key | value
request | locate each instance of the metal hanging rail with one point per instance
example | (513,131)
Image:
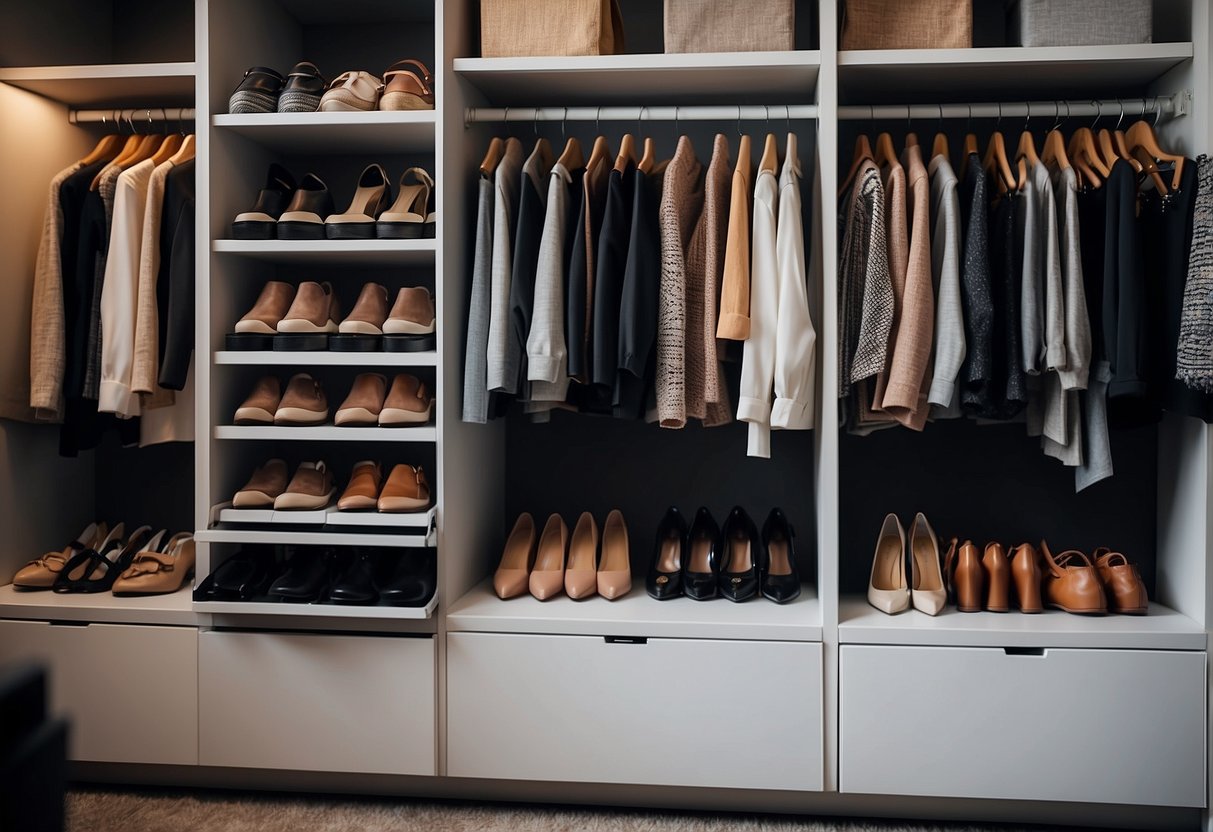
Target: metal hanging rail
(1171,106)
(132,116)
(751,112)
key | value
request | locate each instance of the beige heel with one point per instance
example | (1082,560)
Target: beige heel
(887,588)
(615,565)
(517,558)
(581,575)
(547,576)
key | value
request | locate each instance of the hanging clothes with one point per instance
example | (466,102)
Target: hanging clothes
(640,301)
(146,362)
(475,358)
(872,413)
(175,282)
(609,271)
(975,374)
(706,398)
(948,345)
(1008,391)
(502,362)
(579,291)
(532,205)
(1194,362)
(734,323)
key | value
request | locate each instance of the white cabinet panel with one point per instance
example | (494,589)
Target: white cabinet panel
(130,691)
(1098,726)
(317,702)
(728,714)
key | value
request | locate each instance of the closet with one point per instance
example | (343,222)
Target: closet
(821,706)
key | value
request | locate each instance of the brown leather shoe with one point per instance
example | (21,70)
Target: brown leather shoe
(365,401)
(304,402)
(271,307)
(159,570)
(412,313)
(998,578)
(408,402)
(369,312)
(310,488)
(42,572)
(362,494)
(406,489)
(263,487)
(1126,592)
(966,576)
(517,558)
(410,86)
(1025,570)
(1072,584)
(314,310)
(261,404)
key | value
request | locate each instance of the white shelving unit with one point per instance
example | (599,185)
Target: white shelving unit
(321,611)
(346,133)
(313,538)
(350,252)
(99,608)
(108,85)
(327,433)
(286,358)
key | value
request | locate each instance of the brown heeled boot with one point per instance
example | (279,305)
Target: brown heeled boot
(1025,569)
(998,578)
(966,576)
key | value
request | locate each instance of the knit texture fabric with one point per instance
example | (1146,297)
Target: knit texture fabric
(706,396)
(1194,362)
(865,293)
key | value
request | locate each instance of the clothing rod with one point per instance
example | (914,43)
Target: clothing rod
(1164,106)
(748,112)
(135,115)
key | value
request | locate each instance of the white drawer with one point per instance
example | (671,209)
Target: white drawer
(130,691)
(1098,726)
(678,712)
(306,702)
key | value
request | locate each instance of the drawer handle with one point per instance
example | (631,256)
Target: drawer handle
(625,640)
(69,623)
(1024,651)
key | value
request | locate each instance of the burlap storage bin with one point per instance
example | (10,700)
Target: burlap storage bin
(1079,23)
(907,24)
(729,26)
(523,28)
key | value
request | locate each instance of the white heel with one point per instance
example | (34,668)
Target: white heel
(926,575)
(887,588)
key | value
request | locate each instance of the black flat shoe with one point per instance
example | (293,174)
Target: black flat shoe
(242,577)
(355,585)
(702,563)
(303,218)
(307,573)
(665,572)
(780,578)
(412,582)
(302,89)
(261,221)
(738,579)
(257,92)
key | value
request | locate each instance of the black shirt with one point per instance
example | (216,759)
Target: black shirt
(637,356)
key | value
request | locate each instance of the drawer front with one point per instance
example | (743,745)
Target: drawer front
(1099,726)
(130,691)
(728,714)
(317,702)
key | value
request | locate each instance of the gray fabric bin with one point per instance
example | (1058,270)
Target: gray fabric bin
(1080,22)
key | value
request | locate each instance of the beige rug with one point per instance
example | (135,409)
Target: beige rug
(105,810)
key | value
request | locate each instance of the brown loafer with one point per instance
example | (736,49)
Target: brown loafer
(263,487)
(412,313)
(1072,584)
(1125,589)
(364,404)
(271,307)
(311,488)
(304,402)
(41,573)
(362,494)
(369,312)
(262,403)
(406,489)
(407,403)
(157,571)
(314,311)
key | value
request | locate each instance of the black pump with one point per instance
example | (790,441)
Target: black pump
(741,555)
(701,565)
(664,580)
(780,577)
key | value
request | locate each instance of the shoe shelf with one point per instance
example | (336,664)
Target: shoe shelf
(639,616)
(108,85)
(224,533)
(340,133)
(756,77)
(285,608)
(419,521)
(1045,72)
(325,252)
(1162,629)
(325,358)
(328,433)
(98,608)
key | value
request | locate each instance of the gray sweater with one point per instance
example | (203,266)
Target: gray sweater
(948,348)
(502,363)
(1042,309)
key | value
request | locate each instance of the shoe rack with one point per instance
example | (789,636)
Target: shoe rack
(845,710)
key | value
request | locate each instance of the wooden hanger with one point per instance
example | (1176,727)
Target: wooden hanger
(168,147)
(599,154)
(492,156)
(128,151)
(1054,153)
(571,158)
(1149,167)
(863,152)
(940,147)
(996,162)
(107,148)
(886,154)
(1141,135)
(1025,155)
(911,139)
(627,153)
(770,155)
(649,159)
(185,152)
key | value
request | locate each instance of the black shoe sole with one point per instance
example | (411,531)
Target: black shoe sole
(399,230)
(300,231)
(409,343)
(254,230)
(245,341)
(350,231)
(355,343)
(307,342)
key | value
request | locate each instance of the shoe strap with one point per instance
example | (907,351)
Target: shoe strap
(149,563)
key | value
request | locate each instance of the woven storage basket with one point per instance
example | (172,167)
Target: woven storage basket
(729,26)
(907,24)
(1080,22)
(523,28)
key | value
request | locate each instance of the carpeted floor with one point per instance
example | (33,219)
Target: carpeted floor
(109,810)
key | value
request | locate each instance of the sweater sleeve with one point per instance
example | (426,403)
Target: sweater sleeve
(546,350)
(118,302)
(179,326)
(499,369)
(48,343)
(949,321)
(734,323)
(758,359)
(147,324)
(1055,307)
(1078,322)
(795,337)
(475,388)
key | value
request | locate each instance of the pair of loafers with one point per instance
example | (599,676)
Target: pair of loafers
(265,90)
(286,211)
(407,85)
(735,562)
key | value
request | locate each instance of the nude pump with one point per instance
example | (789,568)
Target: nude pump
(926,576)
(581,572)
(513,573)
(547,575)
(887,587)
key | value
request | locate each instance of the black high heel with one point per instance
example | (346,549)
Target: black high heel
(738,578)
(664,580)
(780,578)
(97,569)
(702,565)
